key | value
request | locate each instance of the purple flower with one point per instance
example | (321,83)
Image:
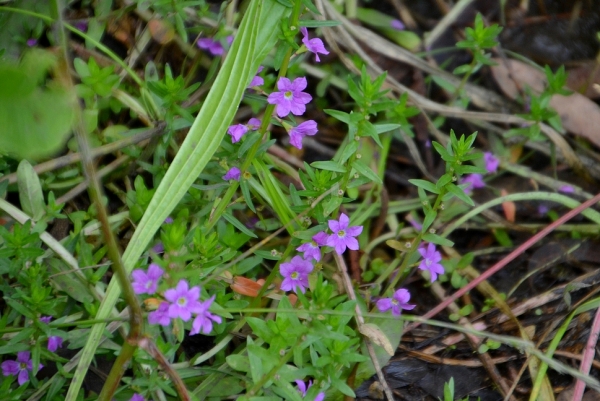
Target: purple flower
(45,319)
(146,283)
(491,162)
(473,181)
(295,274)
(257,80)
(233,173)
(161,315)
(20,368)
(303,389)
(398,302)
(81,26)
(311,249)
(297,133)
(32,42)
(290,98)
(184,300)
(54,342)
(343,236)
(214,47)
(137,397)
(543,209)
(566,189)
(397,25)
(431,261)
(158,248)
(314,45)
(168,220)
(238,130)
(203,321)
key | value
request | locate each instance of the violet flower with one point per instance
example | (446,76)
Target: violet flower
(161,315)
(397,25)
(303,129)
(233,173)
(314,45)
(311,249)
(184,300)
(566,189)
(214,47)
(295,274)
(54,342)
(146,282)
(46,319)
(238,130)
(137,397)
(20,368)
(491,162)
(343,236)
(431,261)
(203,321)
(32,42)
(473,181)
(290,97)
(257,80)
(396,303)
(303,389)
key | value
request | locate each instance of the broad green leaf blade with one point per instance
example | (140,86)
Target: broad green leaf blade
(202,141)
(30,190)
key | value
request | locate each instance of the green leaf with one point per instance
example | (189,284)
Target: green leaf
(238,224)
(238,362)
(329,166)
(460,194)
(381,128)
(436,239)
(30,191)
(318,23)
(426,185)
(366,171)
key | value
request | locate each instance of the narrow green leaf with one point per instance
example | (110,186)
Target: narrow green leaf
(30,191)
(238,224)
(426,185)
(366,171)
(436,239)
(460,194)
(329,166)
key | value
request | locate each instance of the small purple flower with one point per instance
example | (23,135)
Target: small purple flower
(184,301)
(158,248)
(214,47)
(233,173)
(20,368)
(54,342)
(161,315)
(81,26)
(203,321)
(343,236)
(566,189)
(137,397)
(237,131)
(491,162)
(303,129)
(32,42)
(311,249)
(473,181)
(303,389)
(257,80)
(396,303)
(46,319)
(290,97)
(431,261)
(543,210)
(253,124)
(314,45)
(146,282)
(168,220)
(295,274)
(397,25)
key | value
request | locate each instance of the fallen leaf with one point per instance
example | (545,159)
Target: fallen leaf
(578,114)
(509,207)
(245,286)
(375,334)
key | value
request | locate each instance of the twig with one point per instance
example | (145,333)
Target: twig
(360,321)
(588,356)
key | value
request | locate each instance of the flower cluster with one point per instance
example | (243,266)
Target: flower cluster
(475,181)
(303,389)
(180,302)
(295,273)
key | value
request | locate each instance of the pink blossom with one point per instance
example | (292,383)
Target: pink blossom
(184,301)
(396,303)
(397,25)
(161,315)
(257,80)
(343,236)
(431,261)
(295,274)
(491,162)
(303,129)
(473,181)
(146,282)
(290,97)
(314,45)
(203,321)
